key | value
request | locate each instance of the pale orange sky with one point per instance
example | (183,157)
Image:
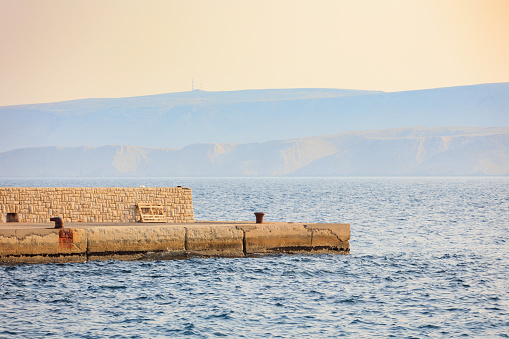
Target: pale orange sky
(61,50)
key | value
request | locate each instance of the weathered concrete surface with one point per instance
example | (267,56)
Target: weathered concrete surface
(263,238)
(215,240)
(43,241)
(296,237)
(117,239)
(42,245)
(81,242)
(330,235)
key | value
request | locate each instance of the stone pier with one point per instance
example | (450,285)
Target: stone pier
(40,243)
(108,223)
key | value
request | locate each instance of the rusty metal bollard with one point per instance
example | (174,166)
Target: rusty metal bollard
(58,222)
(259,217)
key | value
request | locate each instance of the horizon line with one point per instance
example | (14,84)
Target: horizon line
(258,89)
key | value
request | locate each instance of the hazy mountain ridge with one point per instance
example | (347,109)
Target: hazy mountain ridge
(390,152)
(179,119)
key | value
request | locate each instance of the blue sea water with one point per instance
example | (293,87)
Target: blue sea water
(429,258)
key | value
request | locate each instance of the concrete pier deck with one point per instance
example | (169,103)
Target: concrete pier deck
(78,242)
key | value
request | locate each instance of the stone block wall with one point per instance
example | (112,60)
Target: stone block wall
(87,204)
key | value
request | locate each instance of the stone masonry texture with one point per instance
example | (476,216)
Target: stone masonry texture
(88,204)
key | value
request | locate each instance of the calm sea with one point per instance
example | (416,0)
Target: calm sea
(429,258)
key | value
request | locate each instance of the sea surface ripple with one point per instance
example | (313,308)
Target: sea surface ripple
(429,258)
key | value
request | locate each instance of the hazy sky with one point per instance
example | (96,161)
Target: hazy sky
(70,49)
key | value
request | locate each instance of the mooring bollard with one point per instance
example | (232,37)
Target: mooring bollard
(259,217)
(58,222)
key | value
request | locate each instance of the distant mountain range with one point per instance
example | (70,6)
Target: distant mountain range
(180,119)
(389,152)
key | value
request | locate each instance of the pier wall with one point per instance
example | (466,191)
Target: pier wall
(79,243)
(87,204)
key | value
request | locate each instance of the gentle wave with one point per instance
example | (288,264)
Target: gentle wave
(428,258)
